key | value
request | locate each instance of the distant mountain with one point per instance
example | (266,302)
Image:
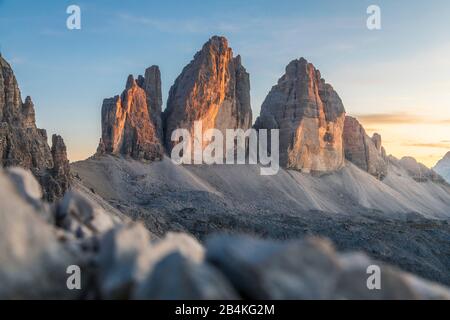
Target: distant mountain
(443,167)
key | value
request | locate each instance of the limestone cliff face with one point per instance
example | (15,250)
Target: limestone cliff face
(127,127)
(214,88)
(310,116)
(23,144)
(151,83)
(365,152)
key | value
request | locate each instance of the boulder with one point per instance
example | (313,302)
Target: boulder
(33,261)
(127,257)
(311,269)
(177,278)
(269,270)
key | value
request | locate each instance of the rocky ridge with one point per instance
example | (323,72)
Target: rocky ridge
(23,144)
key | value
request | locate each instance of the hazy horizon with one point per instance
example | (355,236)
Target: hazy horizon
(396,80)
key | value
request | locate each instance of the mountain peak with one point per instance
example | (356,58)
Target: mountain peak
(311,116)
(130,123)
(214,88)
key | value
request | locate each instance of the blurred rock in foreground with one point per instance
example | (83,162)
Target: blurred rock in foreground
(120,259)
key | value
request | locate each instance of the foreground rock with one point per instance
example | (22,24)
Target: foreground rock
(125,261)
(213,88)
(33,261)
(365,152)
(127,256)
(23,144)
(309,269)
(130,121)
(443,167)
(200,281)
(310,116)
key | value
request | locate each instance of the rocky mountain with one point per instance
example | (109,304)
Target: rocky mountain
(213,88)
(418,171)
(365,152)
(131,122)
(443,167)
(23,144)
(119,259)
(310,116)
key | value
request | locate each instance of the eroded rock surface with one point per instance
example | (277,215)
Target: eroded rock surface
(129,121)
(213,88)
(23,144)
(365,152)
(310,116)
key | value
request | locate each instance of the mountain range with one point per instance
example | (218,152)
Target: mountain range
(335,182)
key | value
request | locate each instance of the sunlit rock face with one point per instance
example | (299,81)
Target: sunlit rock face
(365,152)
(127,127)
(310,116)
(23,144)
(213,88)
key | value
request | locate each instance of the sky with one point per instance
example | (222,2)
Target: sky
(395,80)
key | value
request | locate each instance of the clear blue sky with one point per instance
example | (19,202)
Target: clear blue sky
(403,69)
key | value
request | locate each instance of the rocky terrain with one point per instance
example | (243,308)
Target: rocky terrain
(310,116)
(119,259)
(213,88)
(397,220)
(443,167)
(23,144)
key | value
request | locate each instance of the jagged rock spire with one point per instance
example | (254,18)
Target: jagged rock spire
(214,88)
(128,125)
